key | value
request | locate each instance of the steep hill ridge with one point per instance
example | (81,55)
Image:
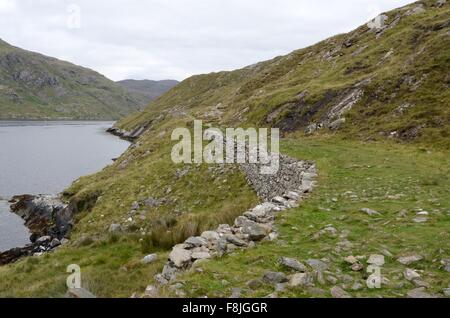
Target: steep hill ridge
(34,86)
(388,80)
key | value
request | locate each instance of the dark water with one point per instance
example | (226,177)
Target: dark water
(44,158)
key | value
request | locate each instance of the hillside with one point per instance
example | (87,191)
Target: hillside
(370,108)
(147,90)
(34,86)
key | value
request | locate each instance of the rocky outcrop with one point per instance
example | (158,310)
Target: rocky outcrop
(127,135)
(281,191)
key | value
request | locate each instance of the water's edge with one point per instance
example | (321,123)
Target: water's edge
(37,212)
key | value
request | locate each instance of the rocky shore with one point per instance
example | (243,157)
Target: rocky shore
(49,221)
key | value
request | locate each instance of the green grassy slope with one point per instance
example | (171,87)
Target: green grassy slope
(34,86)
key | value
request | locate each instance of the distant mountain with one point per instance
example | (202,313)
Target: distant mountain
(34,86)
(147,90)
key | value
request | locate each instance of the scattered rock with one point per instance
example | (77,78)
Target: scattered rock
(440,3)
(195,241)
(410,274)
(408,260)
(201,255)
(254,284)
(275,278)
(255,231)
(55,243)
(370,211)
(419,293)
(446,264)
(338,292)
(44,239)
(357,267)
(351,260)
(301,280)
(115,228)
(318,265)
(151,292)
(446,292)
(357,286)
(236,293)
(149,259)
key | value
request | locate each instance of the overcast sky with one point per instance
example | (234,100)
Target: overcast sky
(174,39)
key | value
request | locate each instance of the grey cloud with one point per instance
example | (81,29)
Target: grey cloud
(160,39)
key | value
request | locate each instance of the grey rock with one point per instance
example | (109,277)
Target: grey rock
(55,242)
(357,267)
(446,292)
(169,272)
(79,293)
(446,264)
(370,212)
(242,221)
(44,239)
(337,124)
(419,293)
(255,231)
(292,264)
(338,292)
(115,228)
(376,259)
(135,206)
(410,274)
(281,287)
(161,280)
(236,293)
(275,278)
(210,235)
(234,240)
(201,255)
(254,284)
(195,241)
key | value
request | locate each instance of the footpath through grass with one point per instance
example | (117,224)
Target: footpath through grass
(396,180)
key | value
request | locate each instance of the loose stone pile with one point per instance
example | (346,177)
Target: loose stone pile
(281,191)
